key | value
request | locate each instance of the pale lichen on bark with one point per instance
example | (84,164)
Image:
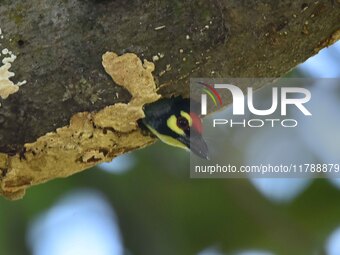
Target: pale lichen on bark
(7,86)
(90,138)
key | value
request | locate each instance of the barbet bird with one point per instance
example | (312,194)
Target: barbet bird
(177,124)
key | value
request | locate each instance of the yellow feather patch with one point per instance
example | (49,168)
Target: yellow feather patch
(187,116)
(172,124)
(168,139)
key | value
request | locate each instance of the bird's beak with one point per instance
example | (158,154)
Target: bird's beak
(196,144)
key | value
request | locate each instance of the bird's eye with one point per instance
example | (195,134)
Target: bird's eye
(182,123)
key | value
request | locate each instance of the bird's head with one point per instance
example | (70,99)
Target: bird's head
(173,122)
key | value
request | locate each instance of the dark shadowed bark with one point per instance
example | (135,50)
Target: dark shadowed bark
(59,47)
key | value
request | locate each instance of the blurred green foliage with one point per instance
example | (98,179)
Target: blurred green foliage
(162,211)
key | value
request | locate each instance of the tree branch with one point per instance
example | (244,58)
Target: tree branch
(59,48)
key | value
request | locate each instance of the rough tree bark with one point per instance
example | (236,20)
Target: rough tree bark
(59,47)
